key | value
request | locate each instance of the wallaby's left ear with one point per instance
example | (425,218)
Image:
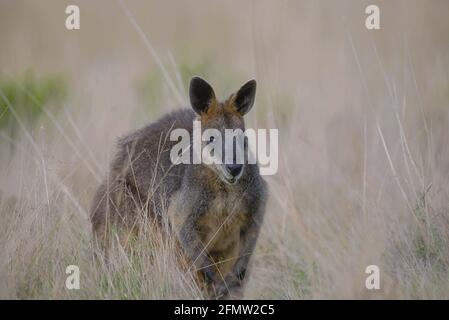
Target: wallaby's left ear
(244,98)
(201,95)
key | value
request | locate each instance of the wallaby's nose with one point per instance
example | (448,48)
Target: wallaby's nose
(234,169)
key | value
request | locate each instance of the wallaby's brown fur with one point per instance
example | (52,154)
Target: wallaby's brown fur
(216,219)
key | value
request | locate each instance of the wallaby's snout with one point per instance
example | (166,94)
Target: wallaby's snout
(234,169)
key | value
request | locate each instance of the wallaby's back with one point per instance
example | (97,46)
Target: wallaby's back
(141,168)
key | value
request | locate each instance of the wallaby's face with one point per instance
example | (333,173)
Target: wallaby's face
(222,116)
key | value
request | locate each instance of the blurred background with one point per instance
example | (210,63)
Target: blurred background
(363,119)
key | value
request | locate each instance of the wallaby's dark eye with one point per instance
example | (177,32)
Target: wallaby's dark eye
(211,139)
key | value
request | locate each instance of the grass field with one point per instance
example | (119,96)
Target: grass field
(363,119)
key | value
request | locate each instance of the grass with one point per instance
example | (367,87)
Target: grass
(28,95)
(363,156)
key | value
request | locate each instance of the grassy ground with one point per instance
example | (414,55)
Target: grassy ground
(363,126)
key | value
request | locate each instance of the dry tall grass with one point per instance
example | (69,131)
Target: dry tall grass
(363,120)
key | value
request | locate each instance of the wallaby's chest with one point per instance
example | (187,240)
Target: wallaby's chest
(218,227)
(221,224)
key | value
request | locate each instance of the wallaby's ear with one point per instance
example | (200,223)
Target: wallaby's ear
(244,98)
(201,94)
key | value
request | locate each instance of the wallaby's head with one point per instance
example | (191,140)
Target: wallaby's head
(227,156)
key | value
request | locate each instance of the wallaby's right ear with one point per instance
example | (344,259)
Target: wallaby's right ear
(201,95)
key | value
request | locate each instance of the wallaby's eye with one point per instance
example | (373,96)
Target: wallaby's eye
(211,139)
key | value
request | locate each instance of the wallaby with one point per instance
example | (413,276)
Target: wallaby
(215,210)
